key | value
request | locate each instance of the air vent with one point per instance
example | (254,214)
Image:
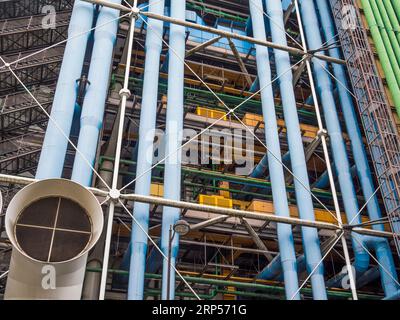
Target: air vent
(53,229)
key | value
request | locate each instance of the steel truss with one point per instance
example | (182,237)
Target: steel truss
(19,112)
(376,114)
(41,69)
(29,33)
(23,8)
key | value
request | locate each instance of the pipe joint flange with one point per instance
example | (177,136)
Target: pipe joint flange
(125,92)
(114,195)
(135,12)
(322,133)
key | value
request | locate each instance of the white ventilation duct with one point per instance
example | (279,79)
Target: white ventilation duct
(52,224)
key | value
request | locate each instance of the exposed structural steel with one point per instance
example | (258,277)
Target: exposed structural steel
(376,116)
(285,237)
(218,210)
(219,32)
(173,136)
(297,156)
(360,157)
(64,105)
(324,85)
(153,48)
(94,52)
(55,143)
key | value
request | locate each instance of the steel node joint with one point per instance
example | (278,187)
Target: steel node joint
(135,11)
(307,56)
(114,195)
(322,133)
(124,92)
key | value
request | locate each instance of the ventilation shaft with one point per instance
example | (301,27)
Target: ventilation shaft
(52,224)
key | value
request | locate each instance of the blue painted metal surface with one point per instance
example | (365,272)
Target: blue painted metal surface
(285,237)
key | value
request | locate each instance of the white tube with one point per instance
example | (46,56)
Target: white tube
(29,278)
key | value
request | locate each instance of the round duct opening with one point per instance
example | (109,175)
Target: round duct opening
(53,229)
(54,221)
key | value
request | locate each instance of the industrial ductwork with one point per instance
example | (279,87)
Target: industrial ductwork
(52,224)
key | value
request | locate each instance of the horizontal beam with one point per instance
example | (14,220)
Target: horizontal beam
(227,211)
(226,34)
(202,46)
(236,36)
(217,210)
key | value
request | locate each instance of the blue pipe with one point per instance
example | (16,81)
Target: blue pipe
(173,136)
(273,271)
(147,125)
(297,157)
(285,236)
(255,86)
(323,180)
(309,100)
(262,167)
(395,296)
(55,144)
(369,276)
(96,93)
(381,246)
(324,87)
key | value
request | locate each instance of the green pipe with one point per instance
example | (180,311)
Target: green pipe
(388,28)
(224,177)
(157,292)
(251,104)
(245,285)
(393,18)
(250,294)
(383,55)
(213,294)
(396,6)
(386,40)
(199,185)
(215,12)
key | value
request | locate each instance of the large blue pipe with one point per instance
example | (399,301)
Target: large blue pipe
(148,115)
(285,236)
(55,144)
(323,180)
(324,87)
(262,167)
(173,138)
(96,94)
(360,157)
(297,157)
